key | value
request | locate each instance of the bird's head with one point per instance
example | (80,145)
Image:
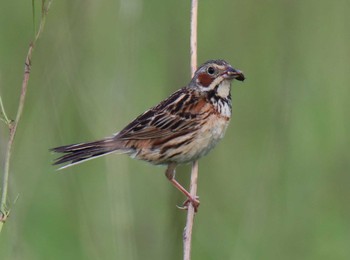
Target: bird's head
(215,74)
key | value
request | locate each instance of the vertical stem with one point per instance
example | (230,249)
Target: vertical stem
(194,12)
(187,236)
(13,127)
(4,211)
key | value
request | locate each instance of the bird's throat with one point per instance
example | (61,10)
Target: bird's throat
(224,89)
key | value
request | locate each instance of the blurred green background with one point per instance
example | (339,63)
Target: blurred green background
(277,186)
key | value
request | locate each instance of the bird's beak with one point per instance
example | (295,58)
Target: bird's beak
(232,73)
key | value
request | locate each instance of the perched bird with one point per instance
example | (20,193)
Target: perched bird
(181,129)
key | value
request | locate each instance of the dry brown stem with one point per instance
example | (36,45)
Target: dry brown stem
(187,235)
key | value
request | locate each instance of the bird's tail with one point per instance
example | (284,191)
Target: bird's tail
(78,153)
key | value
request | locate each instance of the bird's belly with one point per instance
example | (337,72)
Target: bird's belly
(185,148)
(203,142)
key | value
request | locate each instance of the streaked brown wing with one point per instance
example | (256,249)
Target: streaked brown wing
(178,113)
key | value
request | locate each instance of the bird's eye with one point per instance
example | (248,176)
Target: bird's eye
(211,70)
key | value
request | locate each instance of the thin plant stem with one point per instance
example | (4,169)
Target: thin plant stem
(5,119)
(4,211)
(193,43)
(187,236)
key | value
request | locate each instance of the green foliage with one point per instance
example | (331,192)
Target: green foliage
(275,188)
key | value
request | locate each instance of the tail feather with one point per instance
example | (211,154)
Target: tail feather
(77,153)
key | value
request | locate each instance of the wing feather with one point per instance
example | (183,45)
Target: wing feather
(168,118)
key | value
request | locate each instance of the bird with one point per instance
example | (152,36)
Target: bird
(180,129)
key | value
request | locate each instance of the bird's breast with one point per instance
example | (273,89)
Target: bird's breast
(211,133)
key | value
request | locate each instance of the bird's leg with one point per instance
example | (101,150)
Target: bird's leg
(170,174)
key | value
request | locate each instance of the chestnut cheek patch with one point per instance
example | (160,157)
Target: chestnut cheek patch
(205,80)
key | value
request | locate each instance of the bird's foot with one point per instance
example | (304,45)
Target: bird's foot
(193,200)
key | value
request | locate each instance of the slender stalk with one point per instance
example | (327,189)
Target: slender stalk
(194,14)
(187,235)
(5,119)
(4,211)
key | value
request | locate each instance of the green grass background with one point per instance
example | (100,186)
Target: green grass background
(277,186)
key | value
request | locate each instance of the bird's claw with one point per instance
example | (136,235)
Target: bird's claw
(194,201)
